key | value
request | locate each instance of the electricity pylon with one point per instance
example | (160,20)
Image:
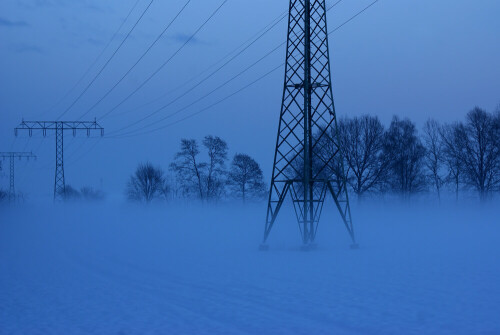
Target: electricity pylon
(12,156)
(59,127)
(307,160)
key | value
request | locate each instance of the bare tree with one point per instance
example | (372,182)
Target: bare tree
(452,156)
(146,184)
(434,153)
(479,140)
(189,172)
(405,152)
(217,157)
(246,178)
(362,143)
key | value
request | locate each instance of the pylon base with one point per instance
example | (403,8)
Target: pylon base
(354,246)
(263,247)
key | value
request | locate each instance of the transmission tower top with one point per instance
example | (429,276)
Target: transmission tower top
(59,127)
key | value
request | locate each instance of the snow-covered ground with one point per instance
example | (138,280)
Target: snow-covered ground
(198,270)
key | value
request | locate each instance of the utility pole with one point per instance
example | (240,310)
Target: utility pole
(307,161)
(59,127)
(12,156)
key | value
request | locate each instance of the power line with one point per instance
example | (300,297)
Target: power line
(94,62)
(254,39)
(353,17)
(168,60)
(202,97)
(68,156)
(212,91)
(138,60)
(72,161)
(266,30)
(208,107)
(134,132)
(206,78)
(108,61)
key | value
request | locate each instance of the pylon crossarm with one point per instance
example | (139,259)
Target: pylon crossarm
(53,125)
(17,155)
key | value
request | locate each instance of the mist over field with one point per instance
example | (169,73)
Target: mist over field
(116,269)
(245,167)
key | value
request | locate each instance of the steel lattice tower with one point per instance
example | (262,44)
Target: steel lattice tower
(59,184)
(59,127)
(307,161)
(12,156)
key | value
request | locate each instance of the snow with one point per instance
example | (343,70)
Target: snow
(178,269)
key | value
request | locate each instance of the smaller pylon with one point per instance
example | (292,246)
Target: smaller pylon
(59,127)
(12,156)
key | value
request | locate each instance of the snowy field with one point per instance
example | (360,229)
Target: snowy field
(197,270)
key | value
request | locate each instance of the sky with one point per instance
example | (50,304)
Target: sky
(417,59)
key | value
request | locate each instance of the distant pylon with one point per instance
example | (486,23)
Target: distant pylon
(59,127)
(307,160)
(12,156)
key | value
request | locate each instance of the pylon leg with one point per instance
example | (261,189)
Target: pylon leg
(344,210)
(273,208)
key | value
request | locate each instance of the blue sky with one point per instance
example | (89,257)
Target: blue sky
(418,59)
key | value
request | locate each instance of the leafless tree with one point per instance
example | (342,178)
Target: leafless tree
(189,172)
(406,153)
(452,156)
(362,143)
(217,157)
(434,153)
(246,178)
(146,184)
(479,140)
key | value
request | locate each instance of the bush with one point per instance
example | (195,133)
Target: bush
(71,194)
(4,195)
(90,194)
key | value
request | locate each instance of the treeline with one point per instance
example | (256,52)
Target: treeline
(458,157)
(397,160)
(461,156)
(86,193)
(199,172)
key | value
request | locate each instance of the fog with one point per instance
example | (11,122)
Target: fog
(121,269)
(192,261)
